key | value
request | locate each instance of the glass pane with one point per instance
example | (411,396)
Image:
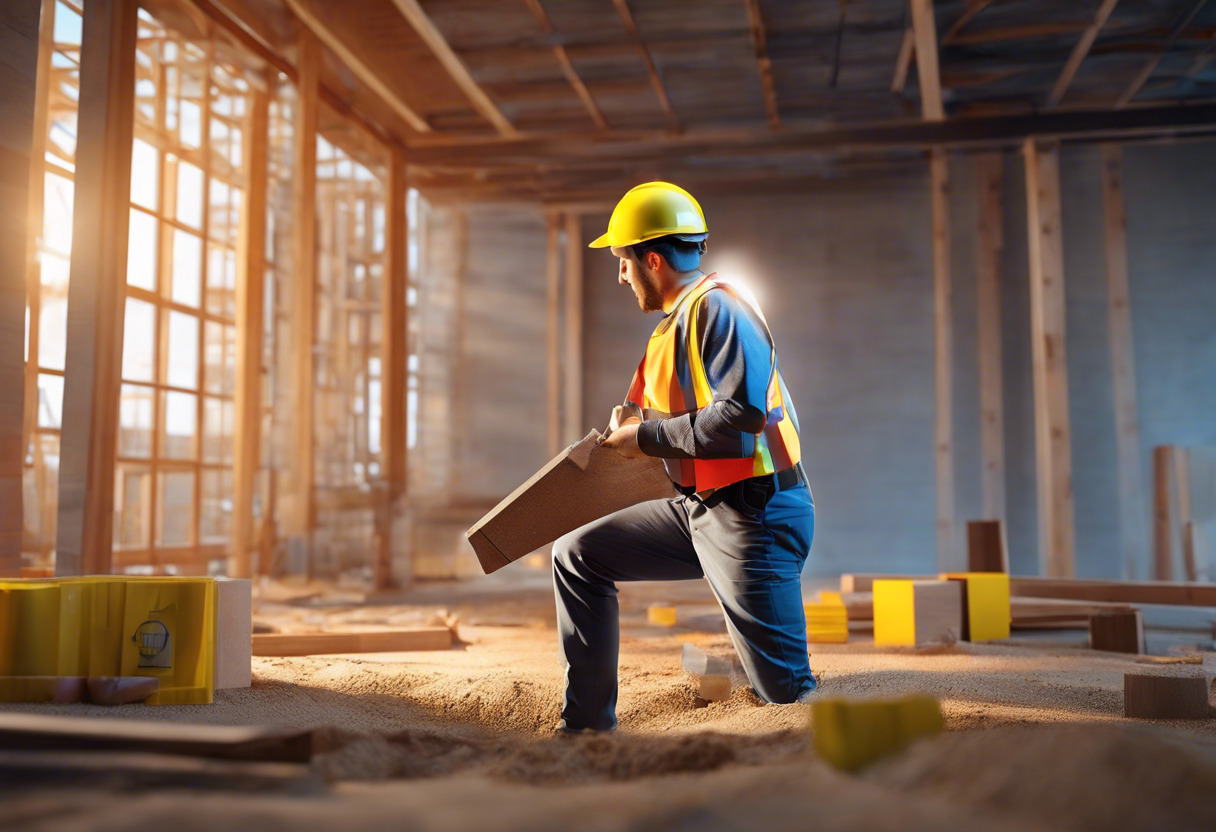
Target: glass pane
(139,341)
(182,370)
(135,421)
(132,506)
(189,194)
(176,492)
(217,430)
(42,490)
(187,267)
(57,214)
(180,425)
(142,239)
(50,401)
(52,328)
(219,358)
(145,175)
(215,507)
(221,281)
(191,122)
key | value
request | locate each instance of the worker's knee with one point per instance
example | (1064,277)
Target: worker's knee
(566,551)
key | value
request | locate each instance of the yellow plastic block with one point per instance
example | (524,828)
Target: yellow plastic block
(169,633)
(661,616)
(826,623)
(908,613)
(828,597)
(986,606)
(852,734)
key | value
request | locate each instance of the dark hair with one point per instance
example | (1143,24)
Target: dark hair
(681,255)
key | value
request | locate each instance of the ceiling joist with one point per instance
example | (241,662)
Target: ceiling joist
(763,64)
(631,26)
(563,60)
(1084,44)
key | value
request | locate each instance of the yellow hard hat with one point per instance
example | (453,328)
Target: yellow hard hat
(655,209)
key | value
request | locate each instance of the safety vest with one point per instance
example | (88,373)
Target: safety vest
(671,381)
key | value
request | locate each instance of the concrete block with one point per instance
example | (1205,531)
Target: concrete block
(987,610)
(908,613)
(1117,632)
(1181,696)
(851,734)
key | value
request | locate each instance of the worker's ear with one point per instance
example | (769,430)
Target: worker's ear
(654,260)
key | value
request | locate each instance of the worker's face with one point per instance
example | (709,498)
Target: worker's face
(643,280)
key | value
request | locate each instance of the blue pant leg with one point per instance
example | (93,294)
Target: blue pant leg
(646,542)
(753,561)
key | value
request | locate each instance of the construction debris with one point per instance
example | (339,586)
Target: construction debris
(1151,696)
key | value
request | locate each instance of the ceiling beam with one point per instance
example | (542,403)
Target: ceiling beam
(763,64)
(906,49)
(1150,66)
(563,60)
(417,17)
(631,26)
(924,27)
(1079,52)
(303,10)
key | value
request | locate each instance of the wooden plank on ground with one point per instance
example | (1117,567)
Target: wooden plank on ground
(1121,592)
(314,644)
(1024,611)
(939,185)
(129,773)
(26,731)
(989,247)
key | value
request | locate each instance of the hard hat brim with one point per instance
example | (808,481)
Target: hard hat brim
(600,242)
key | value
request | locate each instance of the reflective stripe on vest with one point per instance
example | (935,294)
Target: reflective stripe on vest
(671,381)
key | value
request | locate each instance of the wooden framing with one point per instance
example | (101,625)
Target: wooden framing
(19,78)
(907,47)
(1185,520)
(939,195)
(572,381)
(924,29)
(95,315)
(1079,52)
(250,314)
(1163,537)
(764,65)
(631,26)
(563,60)
(1123,365)
(413,12)
(1150,66)
(1053,444)
(989,245)
(553,265)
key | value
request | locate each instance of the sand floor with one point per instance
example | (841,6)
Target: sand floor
(460,739)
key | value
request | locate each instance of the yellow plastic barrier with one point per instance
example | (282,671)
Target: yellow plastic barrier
(986,605)
(852,734)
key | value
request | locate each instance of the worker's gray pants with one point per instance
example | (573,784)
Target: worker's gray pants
(752,559)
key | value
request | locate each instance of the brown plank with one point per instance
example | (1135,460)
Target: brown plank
(250,314)
(1132,520)
(924,28)
(1149,696)
(95,291)
(314,644)
(939,188)
(1079,52)
(1185,519)
(1053,444)
(1163,529)
(553,265)
(572,381)
(989,247)
(1117,632)
(986,548)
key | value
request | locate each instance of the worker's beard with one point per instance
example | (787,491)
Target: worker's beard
(647,293)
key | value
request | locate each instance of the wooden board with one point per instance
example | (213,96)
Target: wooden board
(25,731)
(233,633)
(582,484)
(129,773)
(314,644)
(943,352)
(1025,612)
(1125,592)
(989,246)
(1117,632)
(1148,696)
(986,550)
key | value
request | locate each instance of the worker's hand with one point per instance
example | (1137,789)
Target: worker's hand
(624,414)
(624,440)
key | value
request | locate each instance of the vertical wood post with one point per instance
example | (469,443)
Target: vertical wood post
(1163,529)
(19,79)
(1053,441)
(573,382)
(304,286)
(1186,517)
(250,314)
(553,266)
(989,244)
(1132,531)
(943,358)
(93,362)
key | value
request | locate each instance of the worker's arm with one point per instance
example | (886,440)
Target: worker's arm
(737,355)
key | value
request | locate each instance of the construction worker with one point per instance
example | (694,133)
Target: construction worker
(707,398)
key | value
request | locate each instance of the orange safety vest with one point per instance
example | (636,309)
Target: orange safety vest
(671,381)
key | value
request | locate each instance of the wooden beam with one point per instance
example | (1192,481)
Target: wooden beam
(1132,535)
(1117,592)
(304,283)
(1163,529)
(989,247)
(1026,31)
(1053,442)
(311,18)
(250,314)
(394,360)
(19,63)
(563,60)
(1079,52)
(572,383)
(939,195)
(631,26)
(93,362)
(1150,66)
(924,27)
(417,17)
(763,64)
(552,358)
(903,63)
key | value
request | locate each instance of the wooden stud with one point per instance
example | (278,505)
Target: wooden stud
(943,358)
(924,28)
(552,357)
(95,294)
(1147,696)
(631,26)
(1123,365)
(1185,519)
(1053,444)
(989,246)
(250,314)
(763,64)
(986,547)
(413,12)
(394,360)
(1163,529)
(572,382)
(1079,52)
(1117,632)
